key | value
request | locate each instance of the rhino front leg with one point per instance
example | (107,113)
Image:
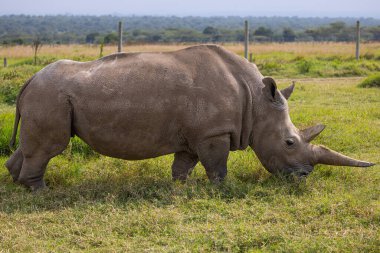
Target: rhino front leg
(213,154)
(183,164)
(14,164)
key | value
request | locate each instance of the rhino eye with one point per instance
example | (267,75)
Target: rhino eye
(289,142)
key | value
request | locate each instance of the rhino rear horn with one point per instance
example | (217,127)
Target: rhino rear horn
(310,133)
(288,91)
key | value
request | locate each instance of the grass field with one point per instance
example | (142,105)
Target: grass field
(299,48)
(277,59)
(102,204)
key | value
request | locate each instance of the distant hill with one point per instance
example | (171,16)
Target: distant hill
(93,29)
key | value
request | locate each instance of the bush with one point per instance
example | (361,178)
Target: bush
(371,81)
(11,81)
(269,68)
(6,129)
(9,92)
(304,66)
(352,69)
(9,75)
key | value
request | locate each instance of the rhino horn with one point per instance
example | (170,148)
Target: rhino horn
(287,91)
(327,156)
(310,133)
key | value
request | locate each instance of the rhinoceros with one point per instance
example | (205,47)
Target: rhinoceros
(199,103)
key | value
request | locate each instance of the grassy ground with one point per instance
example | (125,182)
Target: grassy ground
(102,204)
(276,59)
(371,81)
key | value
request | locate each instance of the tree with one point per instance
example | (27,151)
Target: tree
(155,38)
(18,41)
(209,30)
(337,26)
(289,35)
(36,45)
(90,38)
(263,31)
(212,33)
(263,34)
(375,31)
(111,38)
(17,29)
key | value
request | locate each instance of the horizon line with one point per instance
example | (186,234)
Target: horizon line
(186,16)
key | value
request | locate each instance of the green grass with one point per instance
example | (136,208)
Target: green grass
(293,65)
(371,81)
(100,204)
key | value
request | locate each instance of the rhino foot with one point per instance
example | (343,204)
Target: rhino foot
(217,179)
(213,154)
(38,187)
(35,186)
(14,164)
(183,165)
(32,172)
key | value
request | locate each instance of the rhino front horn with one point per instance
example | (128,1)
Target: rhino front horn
(327,156)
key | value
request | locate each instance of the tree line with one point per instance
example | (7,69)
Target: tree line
(61,29)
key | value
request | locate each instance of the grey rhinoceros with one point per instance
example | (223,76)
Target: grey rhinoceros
(199,103)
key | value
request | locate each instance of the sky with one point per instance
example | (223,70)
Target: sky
(301,8)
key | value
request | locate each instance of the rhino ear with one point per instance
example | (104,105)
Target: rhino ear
(270,87)
(310,133)
(288,91)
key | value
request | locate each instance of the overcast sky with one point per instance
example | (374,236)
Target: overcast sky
(301,8)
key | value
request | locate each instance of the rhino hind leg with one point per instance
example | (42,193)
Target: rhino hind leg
(36,158)
(183,165)
(42,136)
(213,154)
(32,172)
(14,164)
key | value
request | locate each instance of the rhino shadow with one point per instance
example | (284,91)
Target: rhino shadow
(121,191)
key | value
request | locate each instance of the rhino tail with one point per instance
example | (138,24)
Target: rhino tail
(18,115)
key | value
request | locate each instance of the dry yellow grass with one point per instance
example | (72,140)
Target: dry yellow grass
(313,48)
(298,48)
(82,50)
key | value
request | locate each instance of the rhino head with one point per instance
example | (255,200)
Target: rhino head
(280,146)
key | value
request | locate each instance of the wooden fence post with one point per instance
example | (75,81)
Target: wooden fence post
(250,57)
(246,39)
(120,44)
(357,40)
(5,62)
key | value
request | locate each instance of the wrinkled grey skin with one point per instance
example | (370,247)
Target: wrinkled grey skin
(199,103)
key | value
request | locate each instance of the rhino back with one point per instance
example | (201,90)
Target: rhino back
(142,105)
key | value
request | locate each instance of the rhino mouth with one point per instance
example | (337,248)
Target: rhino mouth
(303,171)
